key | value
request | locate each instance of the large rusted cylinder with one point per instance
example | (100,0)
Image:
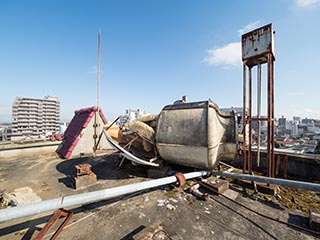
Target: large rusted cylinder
(196,134)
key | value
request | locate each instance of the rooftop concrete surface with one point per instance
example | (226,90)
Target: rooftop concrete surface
(121,218)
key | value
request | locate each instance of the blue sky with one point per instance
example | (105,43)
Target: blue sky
(153,52)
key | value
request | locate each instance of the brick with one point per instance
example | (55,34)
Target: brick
(85,180)
(219,185)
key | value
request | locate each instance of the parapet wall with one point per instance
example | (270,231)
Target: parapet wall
(304,166)
(27,149)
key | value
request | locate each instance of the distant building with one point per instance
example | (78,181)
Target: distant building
(282,122)
(296,119)
(34,118)
(308,122)
(295,129)
(5,132)
(131,115)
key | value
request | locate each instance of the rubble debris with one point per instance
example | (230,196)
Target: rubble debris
(162,202)
(195,191)
(150,119)
(128,155)
(142,129)
(19,196)
(171,207)
(8,199)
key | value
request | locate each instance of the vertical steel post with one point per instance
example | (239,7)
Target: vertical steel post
(250,122)
(272,114)
(244,117)
(259,112)
(98,93)
(98,99)
(269,153)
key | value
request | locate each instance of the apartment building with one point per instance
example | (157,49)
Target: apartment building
(35,118)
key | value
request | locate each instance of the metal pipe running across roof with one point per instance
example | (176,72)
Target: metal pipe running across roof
(85,198)
(275,181)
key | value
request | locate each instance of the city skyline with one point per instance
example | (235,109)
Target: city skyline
(153,53)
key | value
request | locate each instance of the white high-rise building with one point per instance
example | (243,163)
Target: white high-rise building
(33,117)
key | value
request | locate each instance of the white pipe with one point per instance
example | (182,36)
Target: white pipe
(276,181)
(85,198)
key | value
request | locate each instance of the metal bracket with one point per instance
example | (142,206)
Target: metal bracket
(59,213)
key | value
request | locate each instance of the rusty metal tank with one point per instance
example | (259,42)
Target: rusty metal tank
(196,134)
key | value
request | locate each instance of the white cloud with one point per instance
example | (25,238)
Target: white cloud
(249,27)
(228,55)
(307,3)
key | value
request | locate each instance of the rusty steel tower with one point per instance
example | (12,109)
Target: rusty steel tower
(258,49)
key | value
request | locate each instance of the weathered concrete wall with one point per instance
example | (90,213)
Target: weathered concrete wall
(301,166)
(27,149)
(86,143)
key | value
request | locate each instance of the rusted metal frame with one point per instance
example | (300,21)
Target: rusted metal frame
(112,123)
(95,126)
(258,111)
(131,141)
(269,120)
(270,153)
(272,112)
(281,157)
(278,164)
(59,213)
(250,122)
(244,147)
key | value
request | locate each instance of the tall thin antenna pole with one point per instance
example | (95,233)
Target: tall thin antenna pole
(96,125)
(98,94)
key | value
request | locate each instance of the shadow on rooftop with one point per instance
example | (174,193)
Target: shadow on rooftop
(105,168)
(301,221)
